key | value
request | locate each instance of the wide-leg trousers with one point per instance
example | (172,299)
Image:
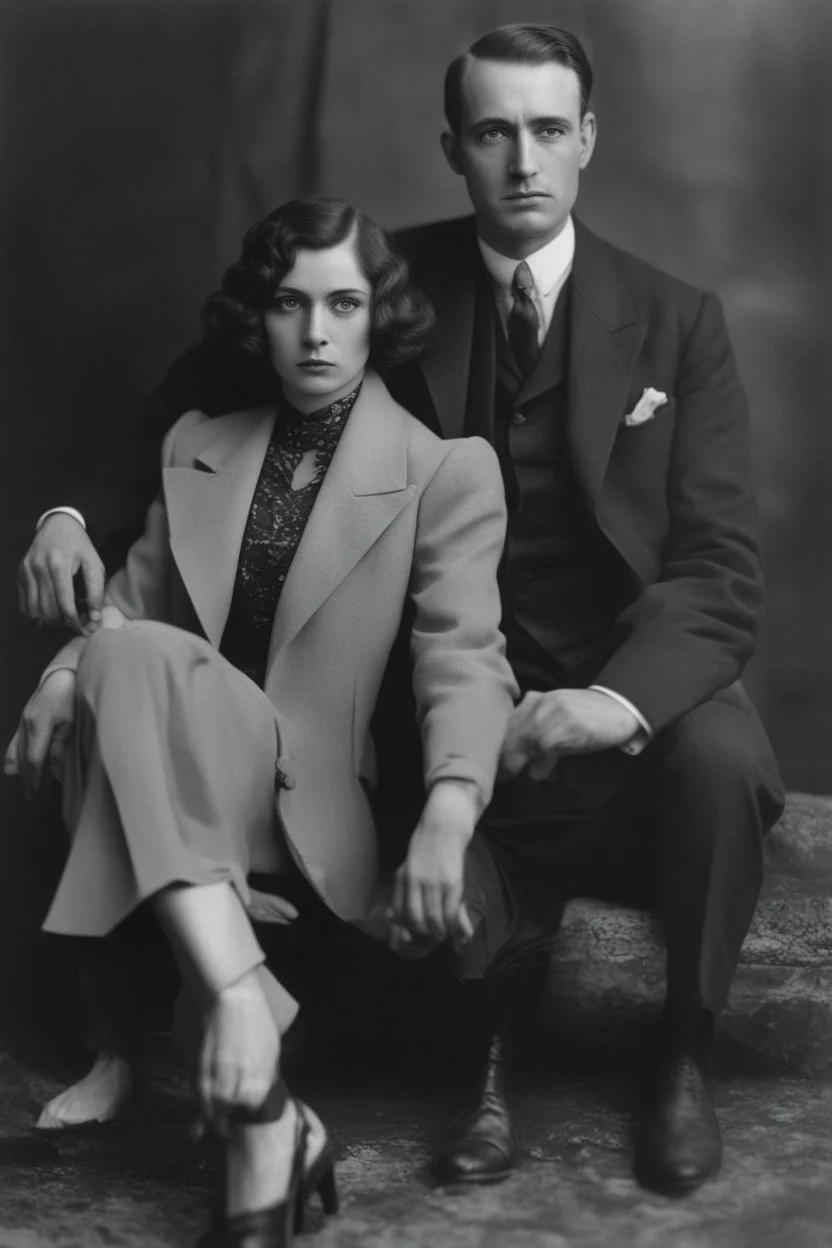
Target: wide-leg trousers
(170,780)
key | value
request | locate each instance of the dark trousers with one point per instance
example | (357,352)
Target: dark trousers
(678,829)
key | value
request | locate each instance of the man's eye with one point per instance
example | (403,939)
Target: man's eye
(552,132)
(491,136)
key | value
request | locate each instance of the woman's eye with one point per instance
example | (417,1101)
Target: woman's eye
(345,305)
(286,303)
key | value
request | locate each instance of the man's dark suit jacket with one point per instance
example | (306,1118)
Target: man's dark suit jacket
(673,496)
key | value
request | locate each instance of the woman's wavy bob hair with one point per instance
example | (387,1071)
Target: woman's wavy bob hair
(402,317)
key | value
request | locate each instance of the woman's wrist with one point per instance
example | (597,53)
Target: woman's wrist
(458,802)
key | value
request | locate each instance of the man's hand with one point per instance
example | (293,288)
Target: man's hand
(43,731)
(60,549)
(427,903)
(565,721)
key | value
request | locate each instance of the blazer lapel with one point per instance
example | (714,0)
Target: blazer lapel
(363,491)
(207,510)
(604,344)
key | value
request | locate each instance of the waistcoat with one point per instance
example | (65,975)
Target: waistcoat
(562,583)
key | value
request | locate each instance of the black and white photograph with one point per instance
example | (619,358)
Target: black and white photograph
(416,588)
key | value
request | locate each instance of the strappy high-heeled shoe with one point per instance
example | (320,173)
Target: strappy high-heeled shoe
(275,1226)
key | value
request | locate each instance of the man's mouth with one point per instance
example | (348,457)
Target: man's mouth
(521,195)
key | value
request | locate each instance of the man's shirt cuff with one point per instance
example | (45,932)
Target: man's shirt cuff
(70,511)
(644,734)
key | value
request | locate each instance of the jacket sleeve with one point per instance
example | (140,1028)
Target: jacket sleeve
(691,632)
(141,588)
(122,483)
(463,685)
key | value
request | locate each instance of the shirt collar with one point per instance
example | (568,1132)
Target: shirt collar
(323,417)
(309,428)
(549,265)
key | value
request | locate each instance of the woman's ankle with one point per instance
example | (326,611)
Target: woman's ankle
(260,1161)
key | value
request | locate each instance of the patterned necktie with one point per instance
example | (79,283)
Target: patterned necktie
(523,321)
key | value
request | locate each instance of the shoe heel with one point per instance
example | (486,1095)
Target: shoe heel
(320,1180)
(327,1190)
(299,1221)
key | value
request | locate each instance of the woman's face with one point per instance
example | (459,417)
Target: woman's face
(318,326)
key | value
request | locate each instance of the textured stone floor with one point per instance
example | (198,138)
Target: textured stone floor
(142,1182)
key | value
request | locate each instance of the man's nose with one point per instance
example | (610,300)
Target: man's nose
(314,329)
(523,164)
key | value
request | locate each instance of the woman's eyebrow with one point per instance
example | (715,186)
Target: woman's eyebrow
(293,290)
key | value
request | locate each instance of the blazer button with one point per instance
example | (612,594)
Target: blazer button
(282,780)
(517,418)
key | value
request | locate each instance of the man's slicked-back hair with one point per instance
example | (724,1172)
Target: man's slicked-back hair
(519,44)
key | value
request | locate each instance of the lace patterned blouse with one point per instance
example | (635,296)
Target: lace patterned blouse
(298,456)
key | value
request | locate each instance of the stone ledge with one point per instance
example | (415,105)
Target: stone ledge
(607,970)
(789,932)
(798,850)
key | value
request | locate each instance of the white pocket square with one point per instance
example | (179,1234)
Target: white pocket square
(646,407)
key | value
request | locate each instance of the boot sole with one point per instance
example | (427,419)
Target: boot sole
(475,1180)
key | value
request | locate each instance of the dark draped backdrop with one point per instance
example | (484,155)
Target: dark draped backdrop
(138,139)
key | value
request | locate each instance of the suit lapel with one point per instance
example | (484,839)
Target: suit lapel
(451,287)
(207,511)
(362,493)
(604,344)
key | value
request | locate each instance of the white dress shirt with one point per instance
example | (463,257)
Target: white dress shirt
(54,511)
(550,267)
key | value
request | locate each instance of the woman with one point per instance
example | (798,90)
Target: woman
(220,718)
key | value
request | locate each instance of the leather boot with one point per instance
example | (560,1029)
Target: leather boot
(683,1145)
(480,1145)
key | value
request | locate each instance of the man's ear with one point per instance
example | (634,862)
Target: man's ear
(450,147)
(589,131)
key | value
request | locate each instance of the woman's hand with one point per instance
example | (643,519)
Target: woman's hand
(428,892)
(240,1052)
(43,731)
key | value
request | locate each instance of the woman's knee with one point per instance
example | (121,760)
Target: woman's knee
(128,652)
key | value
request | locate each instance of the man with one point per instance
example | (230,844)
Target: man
(636,769)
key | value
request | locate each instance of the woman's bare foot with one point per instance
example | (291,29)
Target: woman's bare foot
(260,1158)
(99,1097)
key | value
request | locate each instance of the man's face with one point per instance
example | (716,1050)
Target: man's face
(521,147)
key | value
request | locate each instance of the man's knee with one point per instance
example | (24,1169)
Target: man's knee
(722,746)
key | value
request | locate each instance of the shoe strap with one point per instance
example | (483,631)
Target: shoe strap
(271,1109)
